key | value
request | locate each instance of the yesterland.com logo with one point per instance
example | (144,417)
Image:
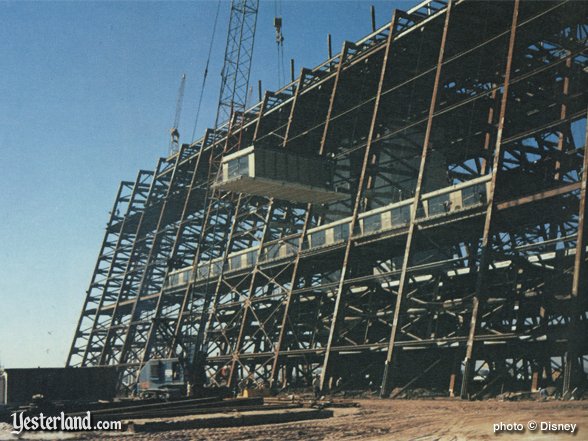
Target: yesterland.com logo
(60,422)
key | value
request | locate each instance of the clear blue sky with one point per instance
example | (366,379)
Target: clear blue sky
(87,96)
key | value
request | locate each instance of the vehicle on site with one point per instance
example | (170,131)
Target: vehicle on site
(161,378)
(169,378)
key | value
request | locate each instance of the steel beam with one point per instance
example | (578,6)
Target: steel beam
(485,246)
(578,307)
(102,257)
(288,301)
(255,271)
(367,157)
(386,387)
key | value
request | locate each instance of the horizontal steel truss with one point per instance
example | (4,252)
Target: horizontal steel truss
(459,302)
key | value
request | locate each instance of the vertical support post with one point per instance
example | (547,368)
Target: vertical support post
(484,264)
(280,342)
(387,376)
(563,112)
(212,299)
(578,283)
(137,202)
(373,14)
(454,372)
(329,46)
(177,240)
(543,365)
(151,257)
(339,301)
(266,229)
(133,265)
(488,134)
(208,206)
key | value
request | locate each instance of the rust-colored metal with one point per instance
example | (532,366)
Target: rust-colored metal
(358,198)
(462,231)
(386,380)
(486,235)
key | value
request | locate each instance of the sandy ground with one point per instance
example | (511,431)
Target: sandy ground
(422,420)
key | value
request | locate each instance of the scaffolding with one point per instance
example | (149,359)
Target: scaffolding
(453,257)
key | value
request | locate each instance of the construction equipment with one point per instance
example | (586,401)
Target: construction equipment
(463,236)
(231,108)
(172,377)
(174,142)
(187,371)
(161,378)
(162,338)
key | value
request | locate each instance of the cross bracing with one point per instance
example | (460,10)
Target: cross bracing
(456,259)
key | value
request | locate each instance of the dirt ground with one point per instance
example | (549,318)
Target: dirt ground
(398,420)
(422,420)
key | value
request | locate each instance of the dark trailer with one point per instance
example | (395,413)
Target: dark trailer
(17,386)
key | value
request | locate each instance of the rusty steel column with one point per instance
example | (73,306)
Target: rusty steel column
(177,241)
(340,296)
(387,376)
(563,112)
(255,270)
(288,302)
(543,366)
(153,250)
(108,349)
(212,298)
(578,299)
(140,187)
(207,313)
(484,264)
(207,206)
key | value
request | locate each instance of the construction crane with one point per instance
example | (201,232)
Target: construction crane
(234,92)
(134,349)
(174,142)
(237,61)
(279,41)
(233,96)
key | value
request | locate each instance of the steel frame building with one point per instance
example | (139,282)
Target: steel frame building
(457,260)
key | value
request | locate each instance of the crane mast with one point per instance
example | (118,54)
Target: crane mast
(232,102)
(111,329)
(237,61)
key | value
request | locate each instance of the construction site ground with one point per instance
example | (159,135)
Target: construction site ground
(375,419)
(422,420)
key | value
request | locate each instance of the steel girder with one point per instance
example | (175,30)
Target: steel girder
(484,297)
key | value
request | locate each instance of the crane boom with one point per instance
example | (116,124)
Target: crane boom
(174,142)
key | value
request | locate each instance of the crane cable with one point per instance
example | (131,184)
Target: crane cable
(206,71)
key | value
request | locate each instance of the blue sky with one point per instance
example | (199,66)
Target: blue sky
(87,96)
